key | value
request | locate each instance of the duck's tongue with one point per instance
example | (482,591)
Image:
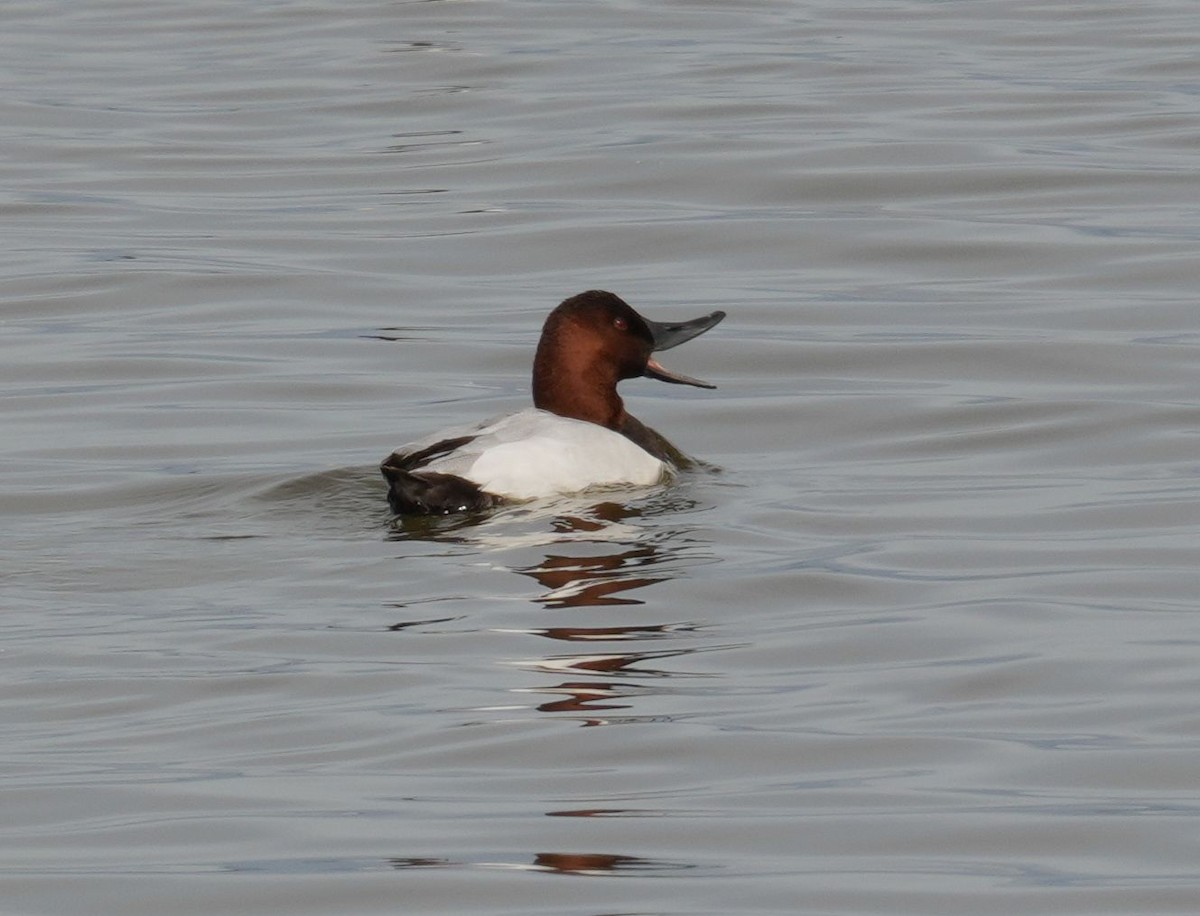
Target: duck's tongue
(672,335)
(654,369)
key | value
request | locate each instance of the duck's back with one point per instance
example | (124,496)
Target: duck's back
(525,455)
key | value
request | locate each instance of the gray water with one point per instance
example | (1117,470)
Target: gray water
(920,637)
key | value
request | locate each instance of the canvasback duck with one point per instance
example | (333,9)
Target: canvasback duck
(578,433)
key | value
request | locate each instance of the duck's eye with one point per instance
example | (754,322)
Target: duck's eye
(620,324)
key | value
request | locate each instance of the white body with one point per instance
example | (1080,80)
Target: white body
(535,453)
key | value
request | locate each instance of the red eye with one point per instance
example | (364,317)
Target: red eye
(620,324)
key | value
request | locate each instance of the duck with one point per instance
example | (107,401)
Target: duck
(576,435)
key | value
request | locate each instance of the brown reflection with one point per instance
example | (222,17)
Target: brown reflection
(590,697)
(605,634)
(596,580)
(627,560)
(593,581)
(615,663)
(583,696)
(602,515)
(563,863)
(580,863)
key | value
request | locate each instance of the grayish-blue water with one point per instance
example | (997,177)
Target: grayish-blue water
(922,640)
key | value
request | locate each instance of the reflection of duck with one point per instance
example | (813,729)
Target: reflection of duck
(579,863)
(593,581)
(610,634)
(576,435)
(594,696)
(584,697)
(592,560)
(567,863)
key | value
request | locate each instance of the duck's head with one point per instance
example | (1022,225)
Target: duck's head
(596,339)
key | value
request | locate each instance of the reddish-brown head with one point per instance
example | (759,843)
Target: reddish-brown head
(594,340)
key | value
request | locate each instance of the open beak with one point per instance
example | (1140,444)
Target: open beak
(672,335)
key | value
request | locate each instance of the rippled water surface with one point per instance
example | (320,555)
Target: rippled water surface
(920,638)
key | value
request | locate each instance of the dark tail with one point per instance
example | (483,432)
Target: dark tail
(431,493)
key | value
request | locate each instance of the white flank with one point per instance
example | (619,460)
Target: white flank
(536,453)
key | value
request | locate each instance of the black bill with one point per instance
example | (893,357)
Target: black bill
(667,336)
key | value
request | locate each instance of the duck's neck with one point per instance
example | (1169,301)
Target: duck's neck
(589,395)
(592,396)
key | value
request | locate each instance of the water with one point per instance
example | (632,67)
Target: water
(921,639)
